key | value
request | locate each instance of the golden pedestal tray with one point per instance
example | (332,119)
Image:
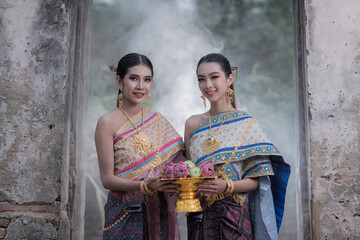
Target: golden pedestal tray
(187,201)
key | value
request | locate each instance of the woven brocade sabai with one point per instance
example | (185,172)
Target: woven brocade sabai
(245,152)
(133,215)
(129,163)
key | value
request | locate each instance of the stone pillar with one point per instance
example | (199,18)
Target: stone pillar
(44,55)
(301,121)
(333,85)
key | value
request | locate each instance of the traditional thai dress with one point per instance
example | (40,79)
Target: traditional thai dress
(131,214)
(243,151)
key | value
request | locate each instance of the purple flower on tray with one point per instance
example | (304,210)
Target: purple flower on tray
(181,170)
(169,170)
(207,169)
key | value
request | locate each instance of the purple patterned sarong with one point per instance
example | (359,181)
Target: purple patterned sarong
(225,219)
(131,215)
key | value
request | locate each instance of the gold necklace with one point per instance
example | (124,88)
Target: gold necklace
(211,144)
(142,142)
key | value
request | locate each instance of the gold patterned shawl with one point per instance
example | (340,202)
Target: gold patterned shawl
(244,148)
(233,125)
(168,145)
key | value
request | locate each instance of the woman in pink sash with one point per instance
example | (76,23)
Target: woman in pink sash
(133,144)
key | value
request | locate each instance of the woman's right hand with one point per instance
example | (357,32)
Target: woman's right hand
(213,186)
(154,184)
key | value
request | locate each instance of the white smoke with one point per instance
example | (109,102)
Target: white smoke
(171,34)
(173,38)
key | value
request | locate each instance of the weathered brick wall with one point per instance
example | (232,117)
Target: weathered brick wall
(333,76)
(41,112)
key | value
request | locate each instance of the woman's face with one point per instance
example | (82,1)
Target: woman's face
(136,84)
(212,81)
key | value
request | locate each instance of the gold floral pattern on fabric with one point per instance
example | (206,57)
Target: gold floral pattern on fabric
(248,160)
(128,163)
(238,197)
(256,142)
(143,144)
(210,145)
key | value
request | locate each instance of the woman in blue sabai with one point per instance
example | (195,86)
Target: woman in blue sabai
(246,200)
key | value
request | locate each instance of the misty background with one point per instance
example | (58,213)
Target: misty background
(255,35)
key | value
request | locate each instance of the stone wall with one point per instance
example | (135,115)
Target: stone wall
(42,111)
(44,51)
(333,78)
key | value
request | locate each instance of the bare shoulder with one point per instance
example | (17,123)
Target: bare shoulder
(106,119)
(194,121)
(110,122)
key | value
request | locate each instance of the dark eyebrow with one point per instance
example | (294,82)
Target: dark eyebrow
(214,73)
(209,74)
(135,75)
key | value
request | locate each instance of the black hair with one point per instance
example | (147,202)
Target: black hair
(131,60)
(224,65)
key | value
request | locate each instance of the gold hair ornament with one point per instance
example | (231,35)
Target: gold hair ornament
(113,68)
(233,69)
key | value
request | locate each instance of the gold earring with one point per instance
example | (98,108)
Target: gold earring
(204,99)
(120,97)
(230,94)
(148,100)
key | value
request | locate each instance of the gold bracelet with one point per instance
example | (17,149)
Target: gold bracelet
(232,186)
(147,189)
(229,186)
(142,187)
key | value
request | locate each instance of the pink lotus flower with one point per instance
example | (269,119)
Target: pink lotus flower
(207,169)
(169,170)
(181,170)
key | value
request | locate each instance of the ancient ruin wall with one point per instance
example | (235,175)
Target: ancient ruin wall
(333,63)
(40,123)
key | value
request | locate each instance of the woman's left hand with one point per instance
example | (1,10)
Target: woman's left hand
(213,186)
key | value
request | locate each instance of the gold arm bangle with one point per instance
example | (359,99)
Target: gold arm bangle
(142,187)
(229,186)
(147,189)
(232,186)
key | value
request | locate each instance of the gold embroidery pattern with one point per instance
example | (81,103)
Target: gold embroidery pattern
(263,170)
(238,197)
(125,155)
(221,173)
(210,145)
(143,144)
(242,154)
(245,131)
